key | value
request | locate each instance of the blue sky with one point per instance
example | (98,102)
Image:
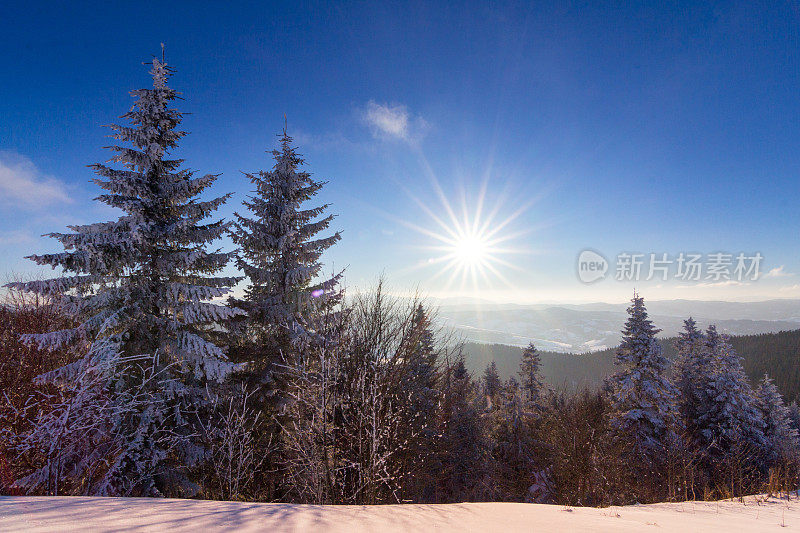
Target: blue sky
(643,128)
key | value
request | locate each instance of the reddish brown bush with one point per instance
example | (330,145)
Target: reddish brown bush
(20,363)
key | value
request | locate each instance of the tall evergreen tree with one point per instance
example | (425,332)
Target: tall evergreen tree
(464,452)
(419,380)
(280,257)
(140,290)
(780,436)
(417,399)
(285,334)
(530,379)
(730,423)
(642,397)
(512,445)
(491,380)
(691,377)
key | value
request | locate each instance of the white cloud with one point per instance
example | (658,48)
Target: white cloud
(710,284)
(778,272)
(24,185)
(790,288)
(393,121)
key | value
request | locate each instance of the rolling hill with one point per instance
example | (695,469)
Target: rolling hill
(777,354)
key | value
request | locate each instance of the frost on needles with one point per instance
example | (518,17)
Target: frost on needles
(642,397)
(141,289)
(280,251)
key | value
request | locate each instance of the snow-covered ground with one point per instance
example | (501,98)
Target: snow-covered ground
(33,514)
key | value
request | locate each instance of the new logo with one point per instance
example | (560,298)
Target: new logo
(591,266)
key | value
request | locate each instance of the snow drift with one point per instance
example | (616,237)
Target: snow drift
(33,514)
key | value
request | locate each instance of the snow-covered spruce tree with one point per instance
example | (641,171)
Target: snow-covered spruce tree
(140,289)
(531,384)
(491,382)
(691,375)
(512,446)
(731,424)
(421,375)
(781,438)
(280,256)
(642,402)
(416,400)
(465,455)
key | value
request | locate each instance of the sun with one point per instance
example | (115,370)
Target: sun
(471,235)
(471,249)
(469,245)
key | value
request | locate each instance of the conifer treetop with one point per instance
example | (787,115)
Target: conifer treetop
(279,249)
(637,335)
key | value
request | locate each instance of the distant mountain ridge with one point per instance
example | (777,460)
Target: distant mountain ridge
(581,328)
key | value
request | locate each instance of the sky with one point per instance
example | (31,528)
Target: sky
(471,150)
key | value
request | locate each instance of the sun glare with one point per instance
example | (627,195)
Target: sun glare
(470,244)
(470,249)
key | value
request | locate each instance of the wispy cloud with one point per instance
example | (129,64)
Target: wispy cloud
(790,288)
(24,185)
(393,121)
(711,284)
(778,272)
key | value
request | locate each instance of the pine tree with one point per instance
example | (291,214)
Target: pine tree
(781,437)
(419,382)
(513,447)
(529,372)
(140,289)
(642,398)
(464,450)
(280,257)
(417,399)
(691,376)
(491,380)
(730,424)
(689,347)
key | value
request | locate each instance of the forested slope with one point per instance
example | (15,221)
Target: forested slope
(776,354)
